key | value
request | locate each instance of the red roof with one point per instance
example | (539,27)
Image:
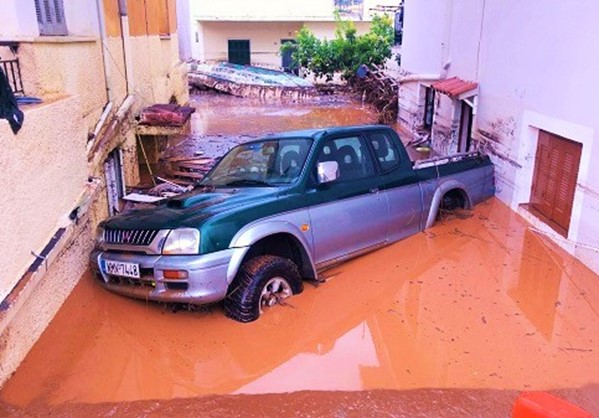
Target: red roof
(453,87)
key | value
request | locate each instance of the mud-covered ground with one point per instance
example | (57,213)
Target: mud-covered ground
(222,121)
(454,321)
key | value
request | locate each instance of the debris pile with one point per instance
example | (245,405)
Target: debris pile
(165,115)
(188,170)
(378,89)
(248,81)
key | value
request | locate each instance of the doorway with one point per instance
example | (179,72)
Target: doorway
(465,133)
(287,62)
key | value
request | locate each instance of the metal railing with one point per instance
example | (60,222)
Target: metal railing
(12,69)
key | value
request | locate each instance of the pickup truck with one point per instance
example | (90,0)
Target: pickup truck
(279,210)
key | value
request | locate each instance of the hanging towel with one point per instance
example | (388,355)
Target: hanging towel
(8,105)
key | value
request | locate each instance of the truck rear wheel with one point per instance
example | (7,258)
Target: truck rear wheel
(260,283)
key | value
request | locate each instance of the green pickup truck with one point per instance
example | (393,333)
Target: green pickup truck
(279,210)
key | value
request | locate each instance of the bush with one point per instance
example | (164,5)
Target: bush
(346,52)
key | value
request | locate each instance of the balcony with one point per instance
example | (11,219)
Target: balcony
(9,62)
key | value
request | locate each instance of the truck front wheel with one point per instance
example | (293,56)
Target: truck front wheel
(260,283)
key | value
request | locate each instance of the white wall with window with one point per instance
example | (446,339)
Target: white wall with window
(22,20)
(535,71)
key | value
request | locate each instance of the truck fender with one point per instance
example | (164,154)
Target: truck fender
(443,188)
(254,232)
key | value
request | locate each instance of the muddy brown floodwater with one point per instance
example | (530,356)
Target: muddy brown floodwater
(454,321)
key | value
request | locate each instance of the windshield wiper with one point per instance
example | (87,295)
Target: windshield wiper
(247,182)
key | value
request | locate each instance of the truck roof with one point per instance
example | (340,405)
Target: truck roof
(318,132)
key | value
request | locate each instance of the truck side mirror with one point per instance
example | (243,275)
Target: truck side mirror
(328,171)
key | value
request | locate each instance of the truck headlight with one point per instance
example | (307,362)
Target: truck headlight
(99,235)
(182,241)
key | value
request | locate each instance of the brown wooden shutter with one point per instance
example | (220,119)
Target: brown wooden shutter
(554,181)
(50,17)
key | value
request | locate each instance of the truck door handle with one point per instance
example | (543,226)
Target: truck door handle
(374,190)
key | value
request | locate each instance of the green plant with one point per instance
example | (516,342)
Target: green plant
(346,52)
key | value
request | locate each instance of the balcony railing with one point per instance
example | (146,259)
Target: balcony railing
(12,69)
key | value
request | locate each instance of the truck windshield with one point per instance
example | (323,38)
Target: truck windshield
(271,162)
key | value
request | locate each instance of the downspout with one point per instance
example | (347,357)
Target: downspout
(427,77)
(102,24)
(107,79)
(95,143)
(126,46)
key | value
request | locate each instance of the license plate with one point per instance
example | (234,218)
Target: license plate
(121,268)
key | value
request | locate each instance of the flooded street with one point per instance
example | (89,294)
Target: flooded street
(454,321)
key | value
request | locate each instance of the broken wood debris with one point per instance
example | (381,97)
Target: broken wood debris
(188,170)
(378,89)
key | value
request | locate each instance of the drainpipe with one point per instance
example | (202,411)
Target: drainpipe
(447,33)
(102,24)
(107,79)
(420,77)
(126,46)
(427,77)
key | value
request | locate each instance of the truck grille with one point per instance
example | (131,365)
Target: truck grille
(130,236)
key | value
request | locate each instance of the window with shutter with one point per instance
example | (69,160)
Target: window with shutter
(554,179)
(50,17)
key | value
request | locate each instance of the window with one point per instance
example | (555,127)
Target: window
(239,51)
(554,179)
(385,151)
(352,157)
(50,17)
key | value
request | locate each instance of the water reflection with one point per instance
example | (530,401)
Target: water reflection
(480,302)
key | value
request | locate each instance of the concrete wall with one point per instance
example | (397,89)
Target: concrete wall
(158,72)
(276,10)
(533,68)
(52,69)
(46,167)
(45,170)
(19,19)
(265,38)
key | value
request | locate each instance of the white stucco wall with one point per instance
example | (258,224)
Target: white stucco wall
(44,168)
(535,70)
(81,17)
(185,29)
(276,10)
(265,39)
(18,19)
(424,32)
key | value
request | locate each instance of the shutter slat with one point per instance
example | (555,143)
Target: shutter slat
(554,179)
(51,17)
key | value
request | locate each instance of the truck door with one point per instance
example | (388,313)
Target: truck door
(348,215)
(399,186)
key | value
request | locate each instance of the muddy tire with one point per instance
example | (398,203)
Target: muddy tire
(261,281)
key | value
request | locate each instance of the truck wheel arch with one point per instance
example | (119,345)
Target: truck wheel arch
(277,238)
(450,186)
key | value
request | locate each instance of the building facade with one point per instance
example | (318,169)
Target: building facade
(514,79)
(253,32)
(93,64)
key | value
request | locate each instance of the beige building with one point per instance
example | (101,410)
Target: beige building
(94,64)
(244,32)
(515,79)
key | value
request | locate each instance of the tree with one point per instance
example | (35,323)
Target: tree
(347,51)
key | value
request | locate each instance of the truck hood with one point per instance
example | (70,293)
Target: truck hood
(191,209)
